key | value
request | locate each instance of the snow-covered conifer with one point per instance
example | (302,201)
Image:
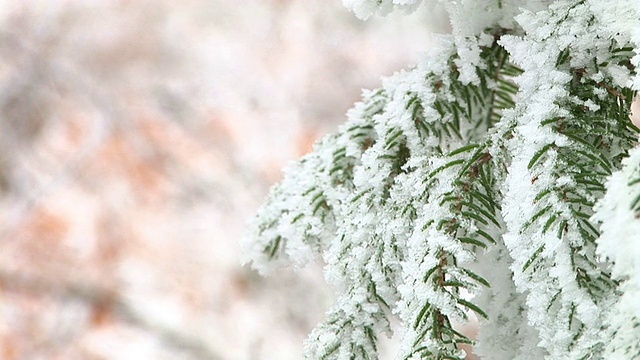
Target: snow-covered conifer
(496,177)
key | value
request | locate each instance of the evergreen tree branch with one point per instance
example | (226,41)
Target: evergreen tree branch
(618,213)
(454,189)
(568,138)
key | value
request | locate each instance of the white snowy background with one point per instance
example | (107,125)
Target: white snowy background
(137,137)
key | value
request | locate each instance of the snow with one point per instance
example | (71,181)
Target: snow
(405,223)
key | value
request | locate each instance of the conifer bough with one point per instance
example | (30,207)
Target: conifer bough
(500,177)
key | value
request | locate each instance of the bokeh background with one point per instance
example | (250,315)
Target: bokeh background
(137,137)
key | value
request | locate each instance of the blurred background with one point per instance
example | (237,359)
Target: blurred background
(137,137)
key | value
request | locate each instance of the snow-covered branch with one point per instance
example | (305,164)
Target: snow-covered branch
(468,184)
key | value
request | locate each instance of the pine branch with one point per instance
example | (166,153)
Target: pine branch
(367,253)
(363,9)
(618,212)
(568,137)
(455,189)
(298,218)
